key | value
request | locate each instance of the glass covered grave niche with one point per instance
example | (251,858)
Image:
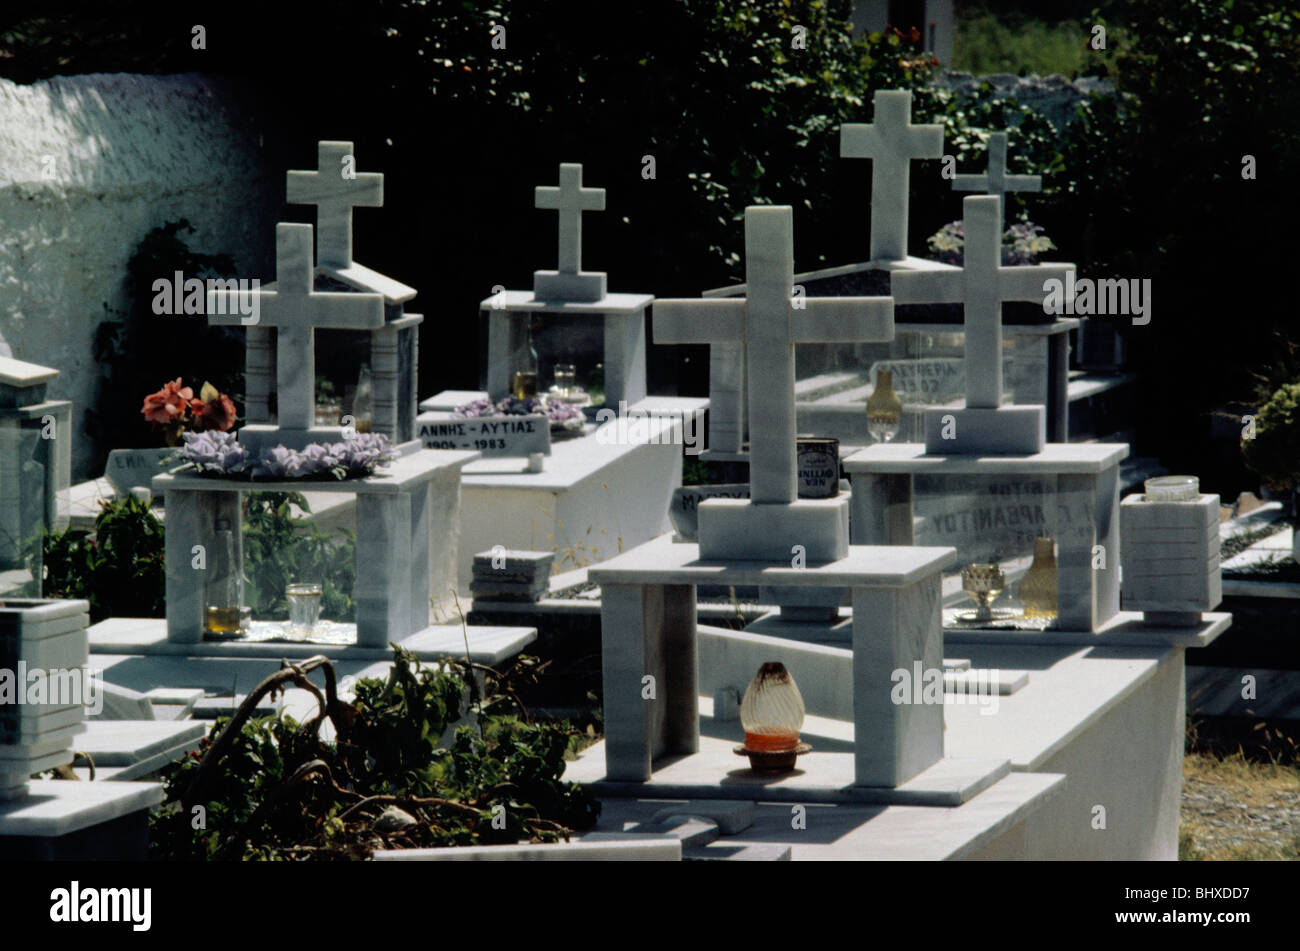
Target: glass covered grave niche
(566,351)
(282,575)
(999,520)
(380,367)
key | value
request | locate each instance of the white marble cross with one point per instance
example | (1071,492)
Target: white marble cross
(770,321)
(295,309)
(891,142)
(334,188)
(981,285)
(996,181)
(570,199)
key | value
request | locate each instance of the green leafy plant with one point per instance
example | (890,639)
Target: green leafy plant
(118,567)
(271,788)
(1274,452)
(281,547)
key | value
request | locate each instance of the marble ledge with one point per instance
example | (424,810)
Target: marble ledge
(488,644)
(908,263)
(55,807)
(665,562)
(526,302)
(400,475)
(1125,629)
(1055,459)
(369,281)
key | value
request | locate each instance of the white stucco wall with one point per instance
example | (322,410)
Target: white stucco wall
(88,166)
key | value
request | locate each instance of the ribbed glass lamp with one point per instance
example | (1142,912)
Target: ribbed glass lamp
(772,715)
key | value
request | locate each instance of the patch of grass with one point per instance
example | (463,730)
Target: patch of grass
(1233,791)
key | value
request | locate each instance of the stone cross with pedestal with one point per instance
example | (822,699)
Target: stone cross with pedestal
(335,188)
(892,143)
(295,309)
(996,181)
(769,321)
(981,285)
(569,291)
(570,199)
(652,744)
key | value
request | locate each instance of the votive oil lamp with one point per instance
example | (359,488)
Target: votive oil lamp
(771,714)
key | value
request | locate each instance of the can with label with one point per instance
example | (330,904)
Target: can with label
(818,464)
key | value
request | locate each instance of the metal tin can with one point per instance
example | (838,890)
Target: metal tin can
(818,464)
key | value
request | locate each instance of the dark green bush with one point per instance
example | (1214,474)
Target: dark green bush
(270,788)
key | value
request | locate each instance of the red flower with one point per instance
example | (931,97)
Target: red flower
(169,404)
(218,413)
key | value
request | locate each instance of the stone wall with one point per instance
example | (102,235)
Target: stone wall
(88,166)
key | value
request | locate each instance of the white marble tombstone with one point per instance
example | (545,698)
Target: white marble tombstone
(981,285)
(35,460)
(335,187)
(570,292)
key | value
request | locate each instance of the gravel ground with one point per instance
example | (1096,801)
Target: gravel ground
(1235,811)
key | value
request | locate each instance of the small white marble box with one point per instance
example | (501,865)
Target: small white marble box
(43,653)
(1170,554)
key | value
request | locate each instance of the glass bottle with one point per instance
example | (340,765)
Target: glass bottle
(1038,586)
(223,588)
(524,384)
(884,408)
(363,401)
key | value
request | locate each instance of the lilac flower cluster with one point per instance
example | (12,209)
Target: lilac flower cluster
(558,412)
(218,453)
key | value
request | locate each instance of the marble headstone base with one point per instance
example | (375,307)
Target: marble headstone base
(740,529)
(1006,430)
(258,436)
(562,286)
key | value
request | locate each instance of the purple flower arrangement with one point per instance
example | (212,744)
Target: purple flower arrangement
(219,454)
(561,414)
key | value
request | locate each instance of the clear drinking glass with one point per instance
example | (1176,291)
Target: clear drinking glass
(566,378)
(304,606)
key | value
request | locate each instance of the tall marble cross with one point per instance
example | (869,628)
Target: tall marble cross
(981,285)
(770,321)
(570,199)
(295,309)
(891,142)
(335,188)
(996,181)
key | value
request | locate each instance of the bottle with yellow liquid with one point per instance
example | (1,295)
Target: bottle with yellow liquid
(223,589)
(1038,588)
(884,408)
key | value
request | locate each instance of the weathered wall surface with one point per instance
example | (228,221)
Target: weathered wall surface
(88,166)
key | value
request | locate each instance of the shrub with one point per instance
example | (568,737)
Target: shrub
(1274,453)
(272,789)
